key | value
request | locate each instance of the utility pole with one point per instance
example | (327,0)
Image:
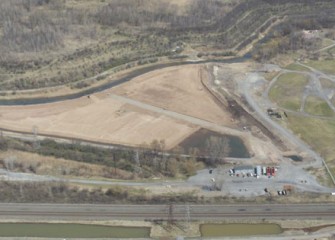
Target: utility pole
(36,143)
(114,161)
(170,215)
(138,168)
(188,216)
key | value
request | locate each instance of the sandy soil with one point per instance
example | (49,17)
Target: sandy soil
(102,118)
(98,119)
(177,89)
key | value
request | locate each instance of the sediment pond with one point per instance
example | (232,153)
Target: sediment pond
(199,138)
(239,229)
(295,158)
(62,230)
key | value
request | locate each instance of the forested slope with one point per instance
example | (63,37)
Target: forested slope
(48,43)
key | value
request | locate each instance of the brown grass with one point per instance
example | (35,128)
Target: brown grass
(45,165)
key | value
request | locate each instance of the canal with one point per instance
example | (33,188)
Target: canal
(62,230)
(239,229)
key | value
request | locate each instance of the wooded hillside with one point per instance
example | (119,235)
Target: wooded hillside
(54,42)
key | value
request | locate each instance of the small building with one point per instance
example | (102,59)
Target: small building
(310,34)
(244,170)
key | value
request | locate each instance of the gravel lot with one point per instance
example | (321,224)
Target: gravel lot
(287,174)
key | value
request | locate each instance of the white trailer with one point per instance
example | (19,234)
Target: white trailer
(258,170)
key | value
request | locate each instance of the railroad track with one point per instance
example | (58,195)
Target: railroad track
(165,212)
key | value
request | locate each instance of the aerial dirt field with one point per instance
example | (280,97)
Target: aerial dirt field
(122,115)
(104,120)
(99,117)
(177,89)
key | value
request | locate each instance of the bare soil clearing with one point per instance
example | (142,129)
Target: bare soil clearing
(104,120)
(177,89)
(101,118)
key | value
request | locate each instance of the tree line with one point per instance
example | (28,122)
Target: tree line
(145,161)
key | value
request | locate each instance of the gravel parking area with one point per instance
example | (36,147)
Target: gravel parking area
(287,174)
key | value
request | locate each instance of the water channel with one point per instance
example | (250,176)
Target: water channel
(130,76)
(239,229)
(62,230)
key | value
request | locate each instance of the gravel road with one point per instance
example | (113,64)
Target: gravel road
(314,87)
(179,116)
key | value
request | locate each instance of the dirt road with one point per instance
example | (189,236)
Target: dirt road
(253,80)
(179,116)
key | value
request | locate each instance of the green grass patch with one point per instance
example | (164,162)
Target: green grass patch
(318,133)
(296,67)
(317,106)
(270,75)
(288,89)
(326,66)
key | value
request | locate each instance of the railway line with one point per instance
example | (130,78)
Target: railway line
(165,212)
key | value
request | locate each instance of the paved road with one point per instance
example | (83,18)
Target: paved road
(152,212)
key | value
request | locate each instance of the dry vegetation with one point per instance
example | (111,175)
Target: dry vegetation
(19,161)
(47,43)
(77,160)
(35,192)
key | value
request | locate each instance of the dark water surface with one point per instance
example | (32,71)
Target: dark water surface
(199,138)
(61,230)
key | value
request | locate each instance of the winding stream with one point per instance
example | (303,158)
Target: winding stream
(130,76)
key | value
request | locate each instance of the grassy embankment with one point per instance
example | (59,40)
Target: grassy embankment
(318,107)
(296,67)
(287,91)
(318,133)
(326,66)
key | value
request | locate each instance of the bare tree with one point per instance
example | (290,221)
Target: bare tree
(217,148)
(9,162)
